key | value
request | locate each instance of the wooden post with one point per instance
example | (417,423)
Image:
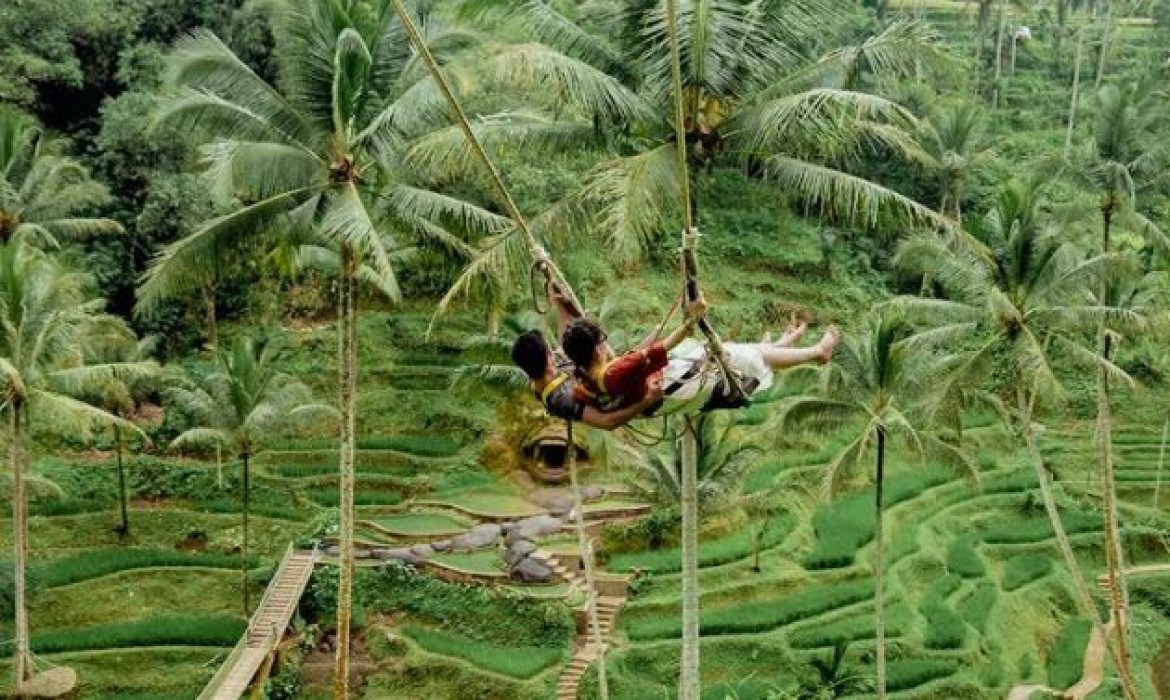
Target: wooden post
(689,682)
(586,551)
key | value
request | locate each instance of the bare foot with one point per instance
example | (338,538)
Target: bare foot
(792,335)
(828,344)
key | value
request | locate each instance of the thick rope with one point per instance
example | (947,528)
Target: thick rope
(690,237)
(539,254)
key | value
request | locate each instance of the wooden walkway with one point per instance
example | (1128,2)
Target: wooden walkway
(265,629)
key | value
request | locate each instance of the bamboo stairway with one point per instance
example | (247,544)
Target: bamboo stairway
(266,627)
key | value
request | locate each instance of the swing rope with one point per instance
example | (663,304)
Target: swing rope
(540,255)
(690,237)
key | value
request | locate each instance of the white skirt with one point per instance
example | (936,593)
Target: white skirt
(695,391)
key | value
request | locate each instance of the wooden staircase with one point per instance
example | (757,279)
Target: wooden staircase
(265,629)
(585,651)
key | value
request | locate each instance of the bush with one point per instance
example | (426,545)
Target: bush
(157,630)
(1024,569)
(1066,660)
(911,673)
(976,608)
(517,662)
(657,529)
(495,616)
(963,559)
(101,562)
(757,616)
(723,550)
(848,523)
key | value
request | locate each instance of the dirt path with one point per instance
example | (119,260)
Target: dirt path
(1094,665)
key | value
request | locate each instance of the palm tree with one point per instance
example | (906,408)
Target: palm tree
(750,88)
(951,140)
(47,319)
(1021,307)
(723,457)
(1126,157)
(239,406)
(42,192)
(122,397)
(320,152)
(881,386)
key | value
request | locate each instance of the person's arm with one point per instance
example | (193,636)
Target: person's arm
(566,312)
(612,420)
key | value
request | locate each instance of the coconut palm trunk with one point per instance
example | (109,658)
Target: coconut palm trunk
(20,662)
(586,552)
(1081,594)
(1076,90)
(689,679)
(244,547)
(1114,556)
(879,566)
(1161,462)
(124,526)
(347,369)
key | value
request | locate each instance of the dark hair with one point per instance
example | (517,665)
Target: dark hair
(530,352)
(580,340)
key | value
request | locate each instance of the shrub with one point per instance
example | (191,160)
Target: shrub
(905,674)
(963,559)
(514,661)
(495,616)
(157,630)
(976,608)
(101,562)
(757,616)
(1024,569)
(657,529)
(848,523)
(723,550)
(1066,660)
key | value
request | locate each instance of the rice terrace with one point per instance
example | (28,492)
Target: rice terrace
(585,349)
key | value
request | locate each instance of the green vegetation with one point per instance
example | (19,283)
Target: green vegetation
(1024,569)
(712,552)
(159,630)
(102,562)
(1066,658)
(963,559)
(510,660)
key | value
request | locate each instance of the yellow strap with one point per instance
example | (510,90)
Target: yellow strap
(552,386)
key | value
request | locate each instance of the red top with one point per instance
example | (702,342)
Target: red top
(623,380)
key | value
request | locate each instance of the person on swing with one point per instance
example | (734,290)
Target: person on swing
(571,393)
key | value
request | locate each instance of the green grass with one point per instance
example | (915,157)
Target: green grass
(331,497)
(1023,531)
(755,616)
(157,630)
(905,674)
(963,559)
(101,562)
(419,524)
(418,445)
(1024,569)
(723,550)
(850,629)
(976,608)
(848,523)
(1067,658)
(491,504)
(516,662)
(486,561)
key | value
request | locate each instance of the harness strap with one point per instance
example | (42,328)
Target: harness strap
(552,386)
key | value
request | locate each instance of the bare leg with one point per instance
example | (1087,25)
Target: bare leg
(781,358)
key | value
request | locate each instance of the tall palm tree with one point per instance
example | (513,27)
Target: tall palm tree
(122,397)
(951,142)
(239,406)
(882,386)
(321,151)
(723,457)
(47,319)
(43,193)
(1026,304)
(759,83)
(1126,157)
